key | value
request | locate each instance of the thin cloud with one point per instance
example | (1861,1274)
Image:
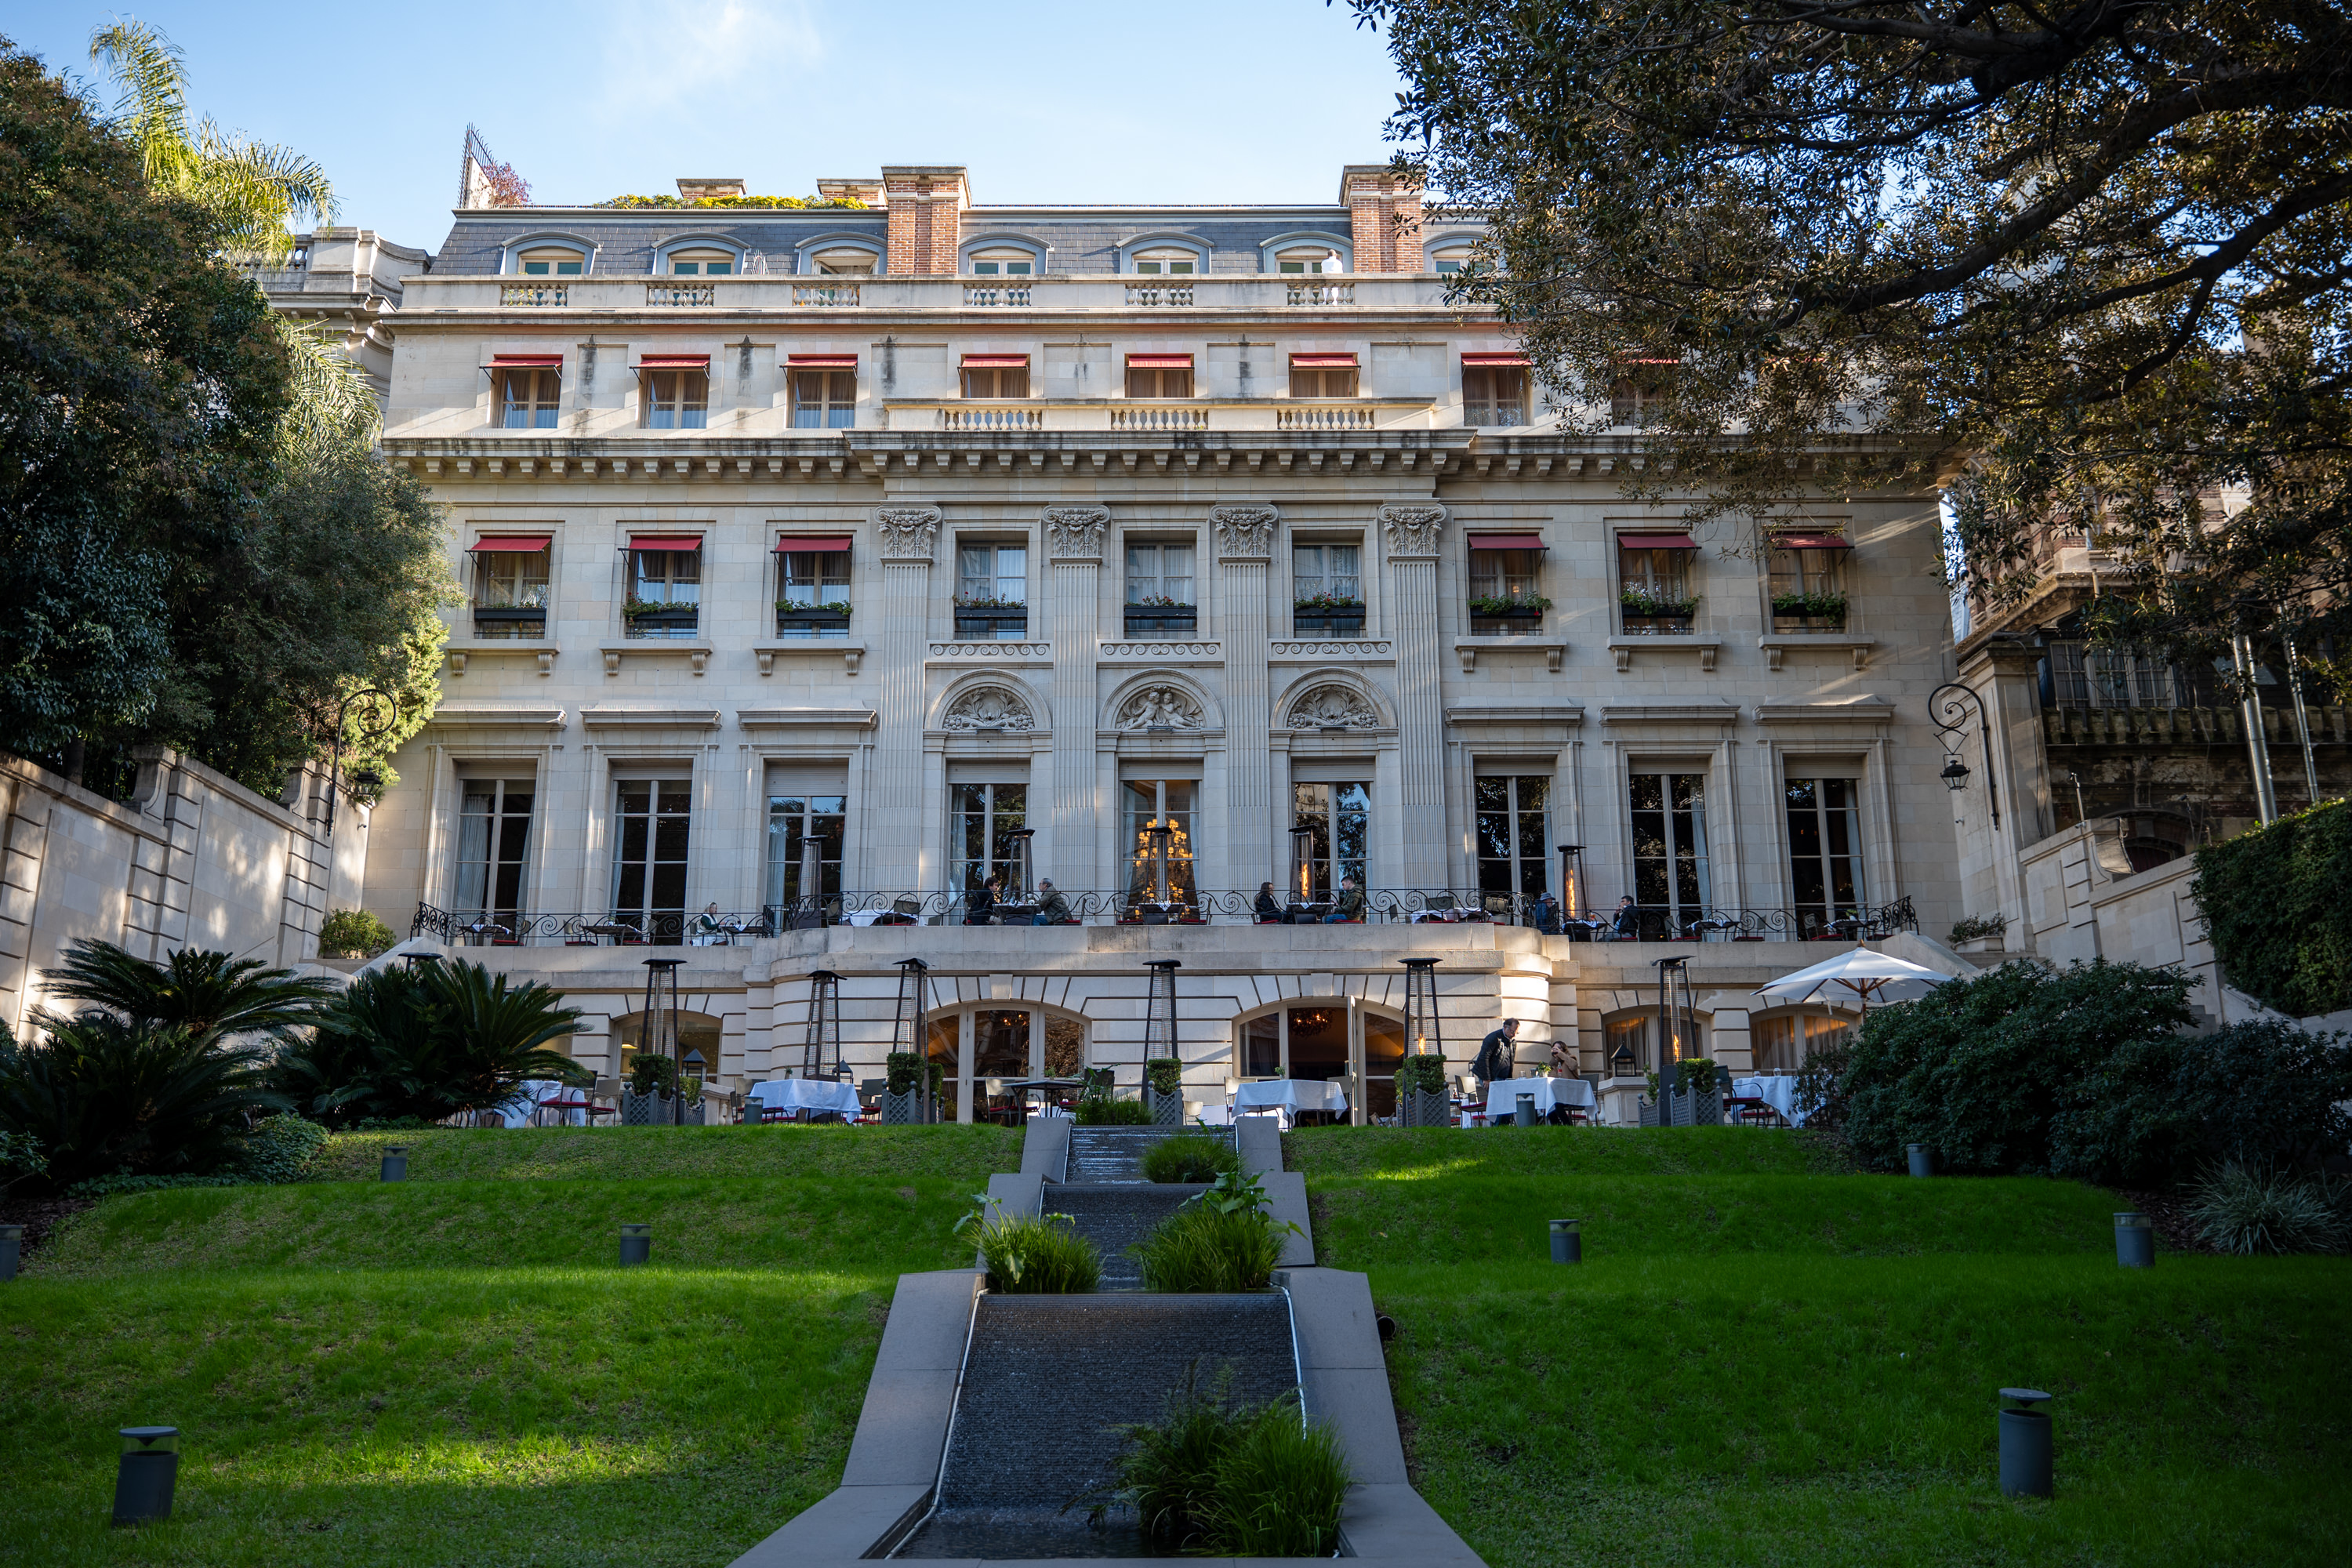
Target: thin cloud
(719,59)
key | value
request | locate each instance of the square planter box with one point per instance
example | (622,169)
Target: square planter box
(1349,624)
(1424,1108)
(657,1110)
(811,624)
(1167,1109)
(1163,624)
(901,1109)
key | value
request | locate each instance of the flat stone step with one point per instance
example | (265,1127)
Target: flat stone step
(1046,1380)
(1113,1216)
(1103,1154)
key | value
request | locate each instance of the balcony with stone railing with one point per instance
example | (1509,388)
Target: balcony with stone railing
(1102,293)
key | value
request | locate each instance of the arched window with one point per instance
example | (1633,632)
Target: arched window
(841,257)
(699,261)
(1631,1041)
(1005,1047)
(1322,1040)
(551,260)
(1003,260)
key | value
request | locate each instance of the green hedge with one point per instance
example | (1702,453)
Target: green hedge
(2274,902)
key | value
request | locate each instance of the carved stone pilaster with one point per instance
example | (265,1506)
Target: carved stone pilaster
(1075,533)
(1244,533)
(908,532)
(1411,531)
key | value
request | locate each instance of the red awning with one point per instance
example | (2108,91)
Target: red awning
(526,361)
(1655,541)
(999,362)
(828,542)
(1507,357)
(1158,362)
(674,362)
(824,361)
(1506,541)
(1811,541)
(510,543)
(1322,362)
(665,541)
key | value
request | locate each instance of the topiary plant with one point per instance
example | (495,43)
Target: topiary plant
(904,1068)
(1425,1073)
(1164,1074)
(353,934)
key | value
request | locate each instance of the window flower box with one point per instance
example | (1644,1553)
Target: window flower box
(1649,614)
(1808,612)
(643,619)
(978,616)
(1327,616)
(830,619)
(509,620)
(1161,617)
(1507,615)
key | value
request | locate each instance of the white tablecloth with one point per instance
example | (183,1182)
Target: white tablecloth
(1503,1095)
(534,1090)
(1779,1092)
(1291,1094)
(805,1094)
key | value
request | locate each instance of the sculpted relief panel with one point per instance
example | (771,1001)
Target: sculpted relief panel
(1332,706)
(1075,533)
(1160,708)
(1412,529)
(988,707)
(1244,530)
(908,532)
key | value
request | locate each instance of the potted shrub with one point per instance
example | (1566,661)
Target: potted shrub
(830,618)
(1157,614)
(651,1098)
(1421,1099)
(902,1105)
(1327,616)
(1979,933)
(1163,1087)
(1652,613)
(1808,612)
(1697,1099)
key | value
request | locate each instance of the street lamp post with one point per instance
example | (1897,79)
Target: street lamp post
(377,701)
(1949,706)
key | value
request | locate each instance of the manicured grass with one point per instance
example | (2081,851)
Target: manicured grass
(1323,1152)
(604,1153)
(878,1227)
(657,1416)
(1759,1409)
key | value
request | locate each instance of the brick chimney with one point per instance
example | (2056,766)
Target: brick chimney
(1383,218)
(926,206)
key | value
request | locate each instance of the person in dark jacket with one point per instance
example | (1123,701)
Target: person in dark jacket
(1497,1057)
(1548,915)
(1269,907)
(1628,919)
(1052,909)
(980,905)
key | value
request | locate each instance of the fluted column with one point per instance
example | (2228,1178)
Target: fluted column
(908,537)
(1411,534)
(1243,537)
(1074,544)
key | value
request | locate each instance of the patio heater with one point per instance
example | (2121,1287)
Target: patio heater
(1020,862)
(1159,1012)
(662,972)
(1156,837)
(823,1023)
(1422,1027)
(1572,887)
(811,913)
(1302,864)
(912,986)
(1672,1014)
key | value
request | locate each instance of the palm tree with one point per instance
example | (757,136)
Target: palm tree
(104,1093)
(210,995)
(428,1043)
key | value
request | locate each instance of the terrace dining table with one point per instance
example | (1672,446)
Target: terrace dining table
(805,1094)
(1503,1095)
(1779,1091)
(1292,1095)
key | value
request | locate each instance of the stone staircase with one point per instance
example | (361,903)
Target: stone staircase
(1103,1155)
(1108,1196)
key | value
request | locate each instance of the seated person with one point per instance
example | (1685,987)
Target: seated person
(1052,909)
(1351,906)
(1269,907)
(1628,919)
(980,902)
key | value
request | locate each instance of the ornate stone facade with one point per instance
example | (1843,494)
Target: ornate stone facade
(988,707)
(1075,533)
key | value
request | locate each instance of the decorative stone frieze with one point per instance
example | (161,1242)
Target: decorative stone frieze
(1411,531)
(1160,708)
(908,532)
(1244,533)
(988,707)
(1381,648)
(1332,706)
(1159,650)
(1075,533)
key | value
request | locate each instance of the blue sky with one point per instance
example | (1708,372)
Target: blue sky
(1205,101)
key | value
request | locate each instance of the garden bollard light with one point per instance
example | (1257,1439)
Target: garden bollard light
(1567,1245)
(12,1242)
(144,1478)
(1923,1158)
(1525,1113)
(395,1163)
(2134,1241)
(636,1243)
(2024,1446)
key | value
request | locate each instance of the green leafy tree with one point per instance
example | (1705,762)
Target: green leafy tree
(2093,257)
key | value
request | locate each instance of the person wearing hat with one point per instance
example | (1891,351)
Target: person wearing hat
(1053,909)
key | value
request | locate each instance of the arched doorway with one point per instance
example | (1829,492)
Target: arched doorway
(696,1032)
(1325,1038)
(985,1050)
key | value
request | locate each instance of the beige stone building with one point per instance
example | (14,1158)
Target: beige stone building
(824,564)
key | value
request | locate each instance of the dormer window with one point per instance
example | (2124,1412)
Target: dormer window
(845,263)
(701,263)
(1309,259)
(551,261)
(1002,263)
(1167,259)
(1449,261)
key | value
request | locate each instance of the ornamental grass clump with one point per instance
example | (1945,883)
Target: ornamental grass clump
(1026,1255)
(1193,1157)
(2251,1209)
(1225,1481)
(1220,1241)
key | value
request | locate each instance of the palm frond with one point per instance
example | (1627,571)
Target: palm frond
(153,109)
(257,190)
(331,399)
(209,995)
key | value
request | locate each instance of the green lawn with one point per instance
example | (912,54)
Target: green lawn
(1757,1366)
(605,1154)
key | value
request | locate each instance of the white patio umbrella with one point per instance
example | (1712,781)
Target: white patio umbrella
(1863,976)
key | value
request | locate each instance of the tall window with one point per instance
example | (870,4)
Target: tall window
(812,588)
(1495,395)
(1503,576)
(1323,376)
(1639,391)
(1669,822)
(1514,846)
(1160,375)
(996,375)
(1824,850)
(510,585)
(981,814)
(1308,1041)
(1808,584)
(652,817)
(1156,802)
(1326,589)
(1653,583)
(665,592)
(992,591)
(1339,819)
(1782,1044)
(677,399)
(493,846)
(825,399)
(529,396)
(1160,589)
(793,820)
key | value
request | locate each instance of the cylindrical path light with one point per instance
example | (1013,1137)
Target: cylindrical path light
(2134,1241)
(636,1243)
(146,1474)
(396,1163)
(2024,1446)
(1922,1159)
(12,1245)
(1567,1241)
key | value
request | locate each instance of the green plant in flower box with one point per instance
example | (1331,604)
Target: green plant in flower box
(1637,603)
(1813,607)
(1507,604)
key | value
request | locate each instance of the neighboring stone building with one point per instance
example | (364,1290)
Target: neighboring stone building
(825,562)
(350,279)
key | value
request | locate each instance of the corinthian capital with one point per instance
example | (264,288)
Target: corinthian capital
(1244,531)
(1412,529)
(1075,533)
(908,532)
